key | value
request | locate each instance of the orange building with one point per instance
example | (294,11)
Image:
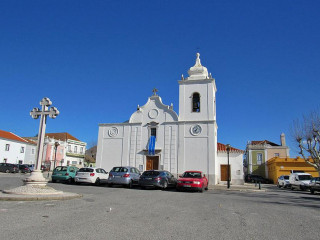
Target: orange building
(283,166)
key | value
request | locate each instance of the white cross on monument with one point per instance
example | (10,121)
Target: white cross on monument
(36,177)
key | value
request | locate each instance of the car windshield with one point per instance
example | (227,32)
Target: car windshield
(304,177)
(151,173)
(191,175)
(58,169)
(86,170)
(286,177)
(119,169)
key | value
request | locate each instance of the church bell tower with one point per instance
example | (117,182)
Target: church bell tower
(197,95)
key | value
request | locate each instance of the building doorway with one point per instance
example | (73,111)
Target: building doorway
(224,172)
(152,163)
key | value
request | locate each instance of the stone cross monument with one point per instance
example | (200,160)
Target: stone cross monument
(36,177)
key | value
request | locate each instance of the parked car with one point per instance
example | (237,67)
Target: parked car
(256,179)
(127,176)
(314,185)
(283,181)
(9,168)
(157,179)
(300,181)
(194,180)
(95,176)
(23,168)
(64,173)
(30,166)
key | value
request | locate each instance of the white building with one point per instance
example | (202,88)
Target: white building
(156,137)
(15,149)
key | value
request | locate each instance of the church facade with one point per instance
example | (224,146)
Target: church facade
(156,137)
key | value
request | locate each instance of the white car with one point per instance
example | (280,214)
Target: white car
(283,181)
(91,175)
(300,181)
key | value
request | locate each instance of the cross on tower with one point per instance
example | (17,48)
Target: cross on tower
(155,92)
(53,112)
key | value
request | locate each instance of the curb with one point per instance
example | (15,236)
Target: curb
(19,197)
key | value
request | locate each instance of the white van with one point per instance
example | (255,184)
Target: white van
(299,180)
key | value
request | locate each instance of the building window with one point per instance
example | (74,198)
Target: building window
(69,148)
(81,150)
(32,151)
(154,132)
(276,154)
(7,147)
(259,158)
(196,102)
(75,149)
(74,162)
(22,150)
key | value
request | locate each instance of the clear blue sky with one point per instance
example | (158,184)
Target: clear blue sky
(97,60)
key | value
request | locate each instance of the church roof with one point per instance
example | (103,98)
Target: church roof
(223,148)
(198,72)
(11,136)
(62,136)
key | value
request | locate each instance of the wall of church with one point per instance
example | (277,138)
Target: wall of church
(197,151)
(236,167)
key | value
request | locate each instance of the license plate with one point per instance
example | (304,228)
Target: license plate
(186,185)
(117,176)
(59,174)
(148,178)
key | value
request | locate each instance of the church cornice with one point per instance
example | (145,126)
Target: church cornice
(120,124)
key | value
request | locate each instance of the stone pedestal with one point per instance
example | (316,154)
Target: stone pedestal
(36,178)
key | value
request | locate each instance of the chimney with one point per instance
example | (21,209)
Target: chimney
(283,139)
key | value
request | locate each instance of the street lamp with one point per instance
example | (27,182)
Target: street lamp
(56,144)
(228,151)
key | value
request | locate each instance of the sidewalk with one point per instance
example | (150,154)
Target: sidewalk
(247,187)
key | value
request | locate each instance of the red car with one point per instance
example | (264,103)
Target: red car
(194,180)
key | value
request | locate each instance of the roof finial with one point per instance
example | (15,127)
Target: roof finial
(198,63)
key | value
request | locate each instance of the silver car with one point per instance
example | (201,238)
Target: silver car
(127,176)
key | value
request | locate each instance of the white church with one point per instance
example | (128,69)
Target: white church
(156,137)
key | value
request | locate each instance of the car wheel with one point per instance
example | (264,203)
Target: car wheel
(78,183)
(165,185)
(69,181)
(7,171)
(53,180)
(178,189)
(97,181)
(278,185)
(311,191)
(292,188)
(130,184)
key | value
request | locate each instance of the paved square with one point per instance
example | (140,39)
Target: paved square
(120,213)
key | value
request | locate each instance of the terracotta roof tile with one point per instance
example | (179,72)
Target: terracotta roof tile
(61,136)
(223,148)
(263,142)
(11,136)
